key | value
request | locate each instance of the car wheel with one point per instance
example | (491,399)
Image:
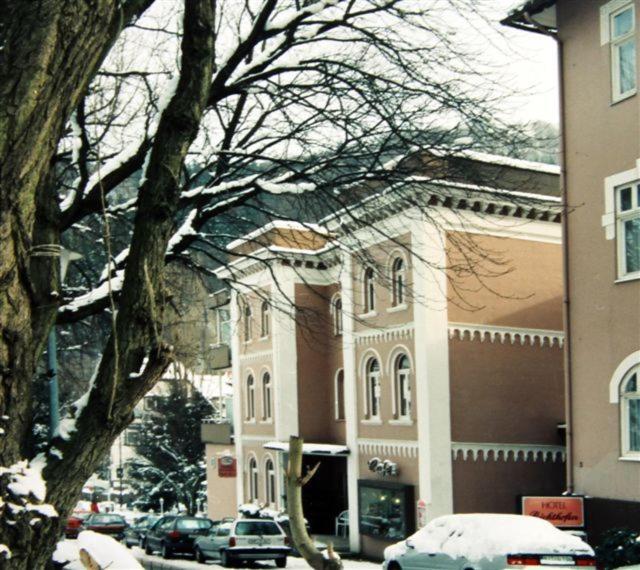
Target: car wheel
(147,548)
(166,552)
(394,566)
(200,557)
(225,560)
(281,562)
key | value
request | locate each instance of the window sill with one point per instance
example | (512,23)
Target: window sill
(631,277)
(253,421)
(401,422)
(620,98)
(368,315)
(372,422)
(266,421)
(265,337)
(245,342)
(631,458)
(397,308)
(340,420)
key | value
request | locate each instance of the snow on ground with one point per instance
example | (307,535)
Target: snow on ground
(106,551)
(157,563)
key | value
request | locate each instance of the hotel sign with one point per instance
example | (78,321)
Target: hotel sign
(227,466)
(563,512)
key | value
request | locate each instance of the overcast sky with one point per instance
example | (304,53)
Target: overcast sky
(530,66)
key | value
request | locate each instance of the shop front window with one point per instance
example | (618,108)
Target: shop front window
(386,510)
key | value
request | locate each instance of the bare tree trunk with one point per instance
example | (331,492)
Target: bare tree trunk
(301,539)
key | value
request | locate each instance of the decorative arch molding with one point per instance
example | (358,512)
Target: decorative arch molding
(506,451)
(396,351)
(395,253)
(265,369)
(251,455)
(512,335)
(396,448)
(614,384)
(369,353)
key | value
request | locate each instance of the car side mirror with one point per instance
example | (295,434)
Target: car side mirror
(410,544)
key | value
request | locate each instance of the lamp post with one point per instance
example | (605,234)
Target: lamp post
(161,506)
(66,256)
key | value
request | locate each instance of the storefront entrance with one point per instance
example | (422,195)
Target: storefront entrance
(324,497)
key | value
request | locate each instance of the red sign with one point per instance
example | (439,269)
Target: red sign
(227,466)
(564,512)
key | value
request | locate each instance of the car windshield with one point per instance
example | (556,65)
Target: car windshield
(106,519)
(193,524)
(247,528)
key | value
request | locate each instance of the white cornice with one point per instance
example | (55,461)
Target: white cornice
(384,335)
(395,447)
(506,451)
(254,356)
(522,336)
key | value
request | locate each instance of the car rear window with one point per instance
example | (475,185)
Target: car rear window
(106,519)
(193,524)
(247,528)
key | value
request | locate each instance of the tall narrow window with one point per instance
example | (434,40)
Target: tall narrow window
(398,281)
(402,387)
(266,396)
(628,223)
(369,290)
(251,398)
(253,479)
(339,395)
(630,413)
(623,51)
(270,482)
(247,323)
(337,316)
(264,319)
(373,388)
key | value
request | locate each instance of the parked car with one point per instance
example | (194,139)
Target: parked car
(134,534)
(175,534)
(488,542)
(111,524)
(243,540)
(74,523)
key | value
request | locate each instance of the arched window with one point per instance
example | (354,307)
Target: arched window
(270,482)
(398,281)
(339,395)
(251,398)
(402,387)
(253,479)
(337,315)
(369,290)
(264,319)
(630,412)
(373,388)
(266,396)
(247,323)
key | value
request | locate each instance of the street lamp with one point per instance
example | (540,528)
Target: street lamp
(66,256)
(161,506)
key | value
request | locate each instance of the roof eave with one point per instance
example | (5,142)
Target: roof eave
(522,18)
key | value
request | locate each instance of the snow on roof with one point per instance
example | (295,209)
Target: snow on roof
(505,161)
(310,448)
(278,225)
(485,536)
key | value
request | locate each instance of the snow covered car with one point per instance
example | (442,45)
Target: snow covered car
(488,542)
(244,540)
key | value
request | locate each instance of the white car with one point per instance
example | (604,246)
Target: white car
(488,542)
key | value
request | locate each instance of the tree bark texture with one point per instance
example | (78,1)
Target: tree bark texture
(302,540)
(54,48)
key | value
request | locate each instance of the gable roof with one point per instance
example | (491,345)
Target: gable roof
(544,12)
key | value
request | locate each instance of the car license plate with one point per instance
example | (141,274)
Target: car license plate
(557,560)
(255,541)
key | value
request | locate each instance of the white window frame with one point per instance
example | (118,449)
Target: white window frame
(398,282)
(398,375)
(622,217)
(624,412)
(607,13)
(265,320)
(337,315)
(270,487)
(373,389)
(254,476)
(369,290)
(251,398)
(267,408)
(338,400)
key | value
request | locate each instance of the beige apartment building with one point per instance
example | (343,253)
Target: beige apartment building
(421,387)
(600,110)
